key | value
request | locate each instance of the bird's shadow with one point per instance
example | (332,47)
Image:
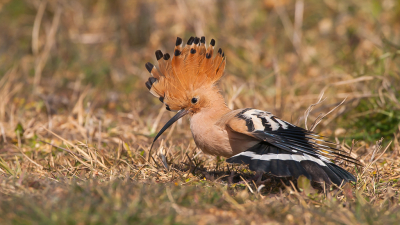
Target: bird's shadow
(240,176)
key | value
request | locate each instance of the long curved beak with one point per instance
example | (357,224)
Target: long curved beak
(181,113)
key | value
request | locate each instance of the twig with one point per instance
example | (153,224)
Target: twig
(319,119)
(36,27)
(309,109)
(248,186)
(49,44)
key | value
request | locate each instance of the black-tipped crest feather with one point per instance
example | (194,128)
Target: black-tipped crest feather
(166,56)
(178,41)
(212,43)
(159,54)
(149,67)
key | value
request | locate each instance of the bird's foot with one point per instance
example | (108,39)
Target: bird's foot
(257,179)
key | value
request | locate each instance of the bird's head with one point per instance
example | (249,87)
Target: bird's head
(186,82)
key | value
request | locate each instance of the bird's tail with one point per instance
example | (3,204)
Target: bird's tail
(267,158)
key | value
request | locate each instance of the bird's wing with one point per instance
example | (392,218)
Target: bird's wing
(264,126)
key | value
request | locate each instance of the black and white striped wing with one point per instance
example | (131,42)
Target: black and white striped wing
(267,158)
(287,150)
(267,127)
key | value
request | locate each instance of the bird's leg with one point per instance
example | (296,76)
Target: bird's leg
(257,178)
(230,178)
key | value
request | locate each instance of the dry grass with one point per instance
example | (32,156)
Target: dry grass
(76,121)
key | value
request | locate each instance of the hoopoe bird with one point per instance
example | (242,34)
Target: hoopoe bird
(186,83)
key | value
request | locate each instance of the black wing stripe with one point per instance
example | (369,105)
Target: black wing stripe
(270,159)
(307,147)
(316,172)
(280,168)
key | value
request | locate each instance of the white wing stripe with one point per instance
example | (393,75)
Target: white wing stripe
(284,124)
(274,125)
(257,122)
(271,156)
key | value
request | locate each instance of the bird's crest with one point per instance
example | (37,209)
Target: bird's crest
(191,68)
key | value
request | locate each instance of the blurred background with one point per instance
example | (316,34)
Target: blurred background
(77,67)
(76,120)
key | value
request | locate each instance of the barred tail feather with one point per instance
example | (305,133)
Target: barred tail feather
(267,158)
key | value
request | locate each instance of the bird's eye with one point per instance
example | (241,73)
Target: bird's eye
(194,100)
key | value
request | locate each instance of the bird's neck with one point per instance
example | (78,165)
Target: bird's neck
(206,135)
(216,107)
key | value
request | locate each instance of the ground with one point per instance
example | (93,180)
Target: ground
(76,120)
